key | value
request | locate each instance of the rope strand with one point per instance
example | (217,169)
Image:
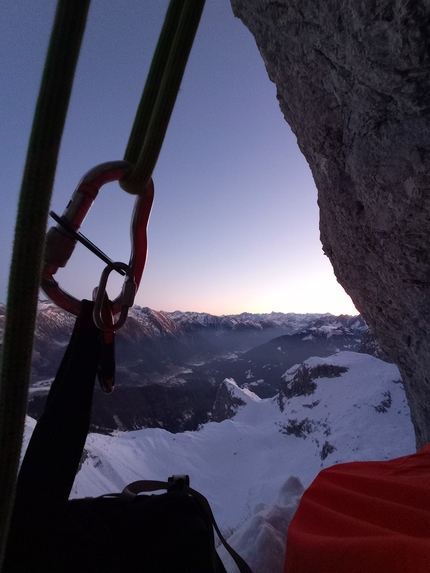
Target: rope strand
(161,90)
(35,196)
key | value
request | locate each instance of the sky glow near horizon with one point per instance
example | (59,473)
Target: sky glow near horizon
(234,226)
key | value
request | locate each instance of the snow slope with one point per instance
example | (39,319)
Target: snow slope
(243,464)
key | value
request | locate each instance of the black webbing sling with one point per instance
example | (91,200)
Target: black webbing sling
(55,449)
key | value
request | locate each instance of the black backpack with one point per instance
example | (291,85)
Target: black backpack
(115,533)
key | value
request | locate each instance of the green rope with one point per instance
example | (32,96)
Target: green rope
(33,207)
(161,89)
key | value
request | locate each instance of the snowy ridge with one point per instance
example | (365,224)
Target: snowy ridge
(288,321)
(52,321)
(243,394)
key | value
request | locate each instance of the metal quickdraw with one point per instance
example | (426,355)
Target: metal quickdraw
(61,241)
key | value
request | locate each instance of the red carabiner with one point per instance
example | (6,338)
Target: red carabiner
(60,243)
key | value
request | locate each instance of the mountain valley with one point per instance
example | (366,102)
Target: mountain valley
(170,366)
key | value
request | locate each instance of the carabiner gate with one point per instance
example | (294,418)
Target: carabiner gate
(128,293)
(60,243)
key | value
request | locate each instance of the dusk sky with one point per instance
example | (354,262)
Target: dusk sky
(234,226)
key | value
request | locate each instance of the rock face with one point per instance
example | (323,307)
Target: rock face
(353,83)
(226,403)
(301,381)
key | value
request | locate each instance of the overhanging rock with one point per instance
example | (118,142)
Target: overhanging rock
(353,83)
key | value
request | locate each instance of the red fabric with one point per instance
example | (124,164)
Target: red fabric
(364,517)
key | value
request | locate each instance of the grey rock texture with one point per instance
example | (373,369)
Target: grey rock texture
(369,345)
(300,381)
(226,404)
(353,79)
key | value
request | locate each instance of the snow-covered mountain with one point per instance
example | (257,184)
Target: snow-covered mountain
(170,365)
(351,407)
(53,322)
(152,323)
(285,321)
(262,367)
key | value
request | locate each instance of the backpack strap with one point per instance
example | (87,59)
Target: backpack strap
(146,486)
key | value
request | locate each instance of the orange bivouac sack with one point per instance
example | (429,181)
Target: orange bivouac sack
(364,517)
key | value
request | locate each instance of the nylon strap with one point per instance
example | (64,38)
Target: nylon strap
(35,196)
(55,449)
(160,92)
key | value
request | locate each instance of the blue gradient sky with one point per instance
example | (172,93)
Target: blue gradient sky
(235,222)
